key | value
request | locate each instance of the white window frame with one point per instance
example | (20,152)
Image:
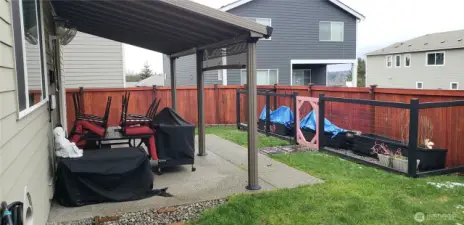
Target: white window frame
(410,60)
(40,22)
(386,61)
(427,57)
(396,61)
(331,33)
(451,85)
(268,73)
(420,82)
(255,20)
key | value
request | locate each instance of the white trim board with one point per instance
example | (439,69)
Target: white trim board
(335,2)
(322,61)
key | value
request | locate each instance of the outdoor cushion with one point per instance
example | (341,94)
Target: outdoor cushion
(149,142)
(80,124)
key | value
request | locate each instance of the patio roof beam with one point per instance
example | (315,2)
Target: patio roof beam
(201,105)
(253,180)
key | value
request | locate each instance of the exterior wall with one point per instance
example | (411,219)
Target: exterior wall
(295,35)
(433,77)
(186,69)
(24,143)
(91,61)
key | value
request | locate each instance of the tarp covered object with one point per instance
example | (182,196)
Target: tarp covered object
(282,115)
(175,138)
(105,175)
(262,116)
(309,122)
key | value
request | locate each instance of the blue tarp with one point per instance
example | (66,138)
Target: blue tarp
(282,115)
(309,122)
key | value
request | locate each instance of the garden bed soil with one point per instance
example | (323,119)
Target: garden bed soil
(430,159)
(275,128)
(340,141)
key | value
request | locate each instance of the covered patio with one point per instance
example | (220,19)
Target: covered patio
(179,28)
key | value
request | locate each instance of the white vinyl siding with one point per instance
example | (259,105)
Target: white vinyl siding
(331,31)
(93,62)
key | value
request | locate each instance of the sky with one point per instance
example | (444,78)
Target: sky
(387,22)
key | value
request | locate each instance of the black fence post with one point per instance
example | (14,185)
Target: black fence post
(268,113)
(275,97)
(321,118)
(237,102)
(413,133)
(295,137)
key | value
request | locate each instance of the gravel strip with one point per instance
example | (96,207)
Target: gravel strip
(352,154)
(285,149)
(163,216)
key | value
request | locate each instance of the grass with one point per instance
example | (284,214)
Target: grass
(351,194)
(232,134)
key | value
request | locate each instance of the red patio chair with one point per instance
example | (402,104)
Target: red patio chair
(78,110)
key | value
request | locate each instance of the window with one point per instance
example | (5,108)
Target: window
(435,58)
(301,77)
(220,74)
(397,60)
(407,60)
(454,85)
(29,54)
(389,61)
(419,85)
(263,77)
(331,31)
(262,21)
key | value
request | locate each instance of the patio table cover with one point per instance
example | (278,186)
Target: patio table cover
(105,175)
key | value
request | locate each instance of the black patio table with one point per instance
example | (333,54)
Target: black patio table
(114,136)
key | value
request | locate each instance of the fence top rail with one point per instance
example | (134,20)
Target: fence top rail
(429,105)
(366,102)
(268,93)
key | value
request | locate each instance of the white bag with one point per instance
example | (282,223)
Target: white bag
(63,147)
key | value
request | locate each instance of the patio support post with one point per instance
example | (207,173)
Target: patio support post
(253,181)
(173,83)
(201,105)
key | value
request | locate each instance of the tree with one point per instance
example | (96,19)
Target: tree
(146,71)
(361,72)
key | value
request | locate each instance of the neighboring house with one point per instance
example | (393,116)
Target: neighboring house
(93,62)
(432,61)
(155,79)
(326,34)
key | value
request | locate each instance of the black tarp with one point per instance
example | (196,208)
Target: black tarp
(175,139)
(105,175)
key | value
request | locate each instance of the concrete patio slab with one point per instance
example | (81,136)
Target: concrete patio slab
(221,173)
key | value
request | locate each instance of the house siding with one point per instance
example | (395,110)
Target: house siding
(433,77)
(93,62)
(295,34)
(186,69)
(24,143)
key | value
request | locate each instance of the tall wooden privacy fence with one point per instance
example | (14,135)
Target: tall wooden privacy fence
(220,108)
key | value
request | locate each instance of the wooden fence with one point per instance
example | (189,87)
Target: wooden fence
(220,108)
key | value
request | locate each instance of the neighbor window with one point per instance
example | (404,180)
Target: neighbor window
(454,85)
(389,60)
(419,85)
(397,60)
(331,31)
(29,55)
(262,21)
(301,77)
(407,60)
(263,77)
(435,58)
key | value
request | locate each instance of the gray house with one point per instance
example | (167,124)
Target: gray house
(432,61)
(93,62)
(326,34)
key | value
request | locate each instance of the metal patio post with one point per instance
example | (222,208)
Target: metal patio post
(201,105)
(253,181)
(173,83)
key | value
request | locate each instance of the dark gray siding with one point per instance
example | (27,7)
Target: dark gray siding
(186,72)
(296,34)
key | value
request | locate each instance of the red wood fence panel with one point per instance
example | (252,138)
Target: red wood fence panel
(220,108)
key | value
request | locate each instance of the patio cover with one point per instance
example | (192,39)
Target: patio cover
(166,26)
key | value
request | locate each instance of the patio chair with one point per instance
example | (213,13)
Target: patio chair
(137,131)
(84,127)
(78,110)
(135,119)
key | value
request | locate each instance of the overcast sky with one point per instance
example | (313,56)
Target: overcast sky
(387,21)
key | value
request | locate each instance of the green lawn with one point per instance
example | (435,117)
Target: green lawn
(351,194)
(231,133)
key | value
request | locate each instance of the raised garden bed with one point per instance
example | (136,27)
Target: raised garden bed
(276,128)
(340,141)
(430,159)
